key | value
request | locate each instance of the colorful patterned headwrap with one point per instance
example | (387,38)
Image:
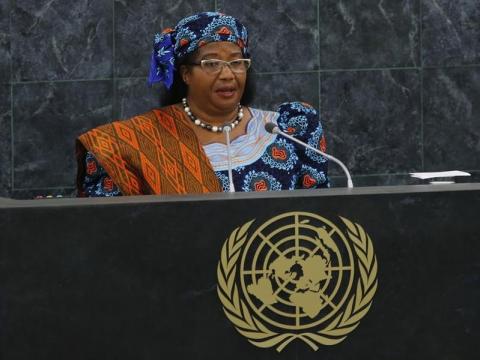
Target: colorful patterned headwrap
(191,33)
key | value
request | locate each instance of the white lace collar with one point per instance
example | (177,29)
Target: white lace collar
(247,148)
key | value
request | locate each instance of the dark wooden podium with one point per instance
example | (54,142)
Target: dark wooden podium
(136,278)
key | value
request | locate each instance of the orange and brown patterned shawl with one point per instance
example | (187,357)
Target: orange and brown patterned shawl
(153,153)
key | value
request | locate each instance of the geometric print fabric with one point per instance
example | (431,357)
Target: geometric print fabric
(153,153)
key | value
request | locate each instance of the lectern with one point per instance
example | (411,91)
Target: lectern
(367,273)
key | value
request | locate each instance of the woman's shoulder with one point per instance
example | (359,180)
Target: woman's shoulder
(295,111)
(152,115)
(294,117)
(265,115)
(296,108)
(289,109)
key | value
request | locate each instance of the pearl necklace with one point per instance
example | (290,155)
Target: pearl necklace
(209,127)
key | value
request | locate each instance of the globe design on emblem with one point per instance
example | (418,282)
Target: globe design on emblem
(297,271)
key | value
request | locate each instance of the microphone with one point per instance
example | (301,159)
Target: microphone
(231,187)
(272,128)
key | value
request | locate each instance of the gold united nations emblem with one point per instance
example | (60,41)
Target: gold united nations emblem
(297,276)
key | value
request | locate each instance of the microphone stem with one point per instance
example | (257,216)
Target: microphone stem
(329,157)
(231,187)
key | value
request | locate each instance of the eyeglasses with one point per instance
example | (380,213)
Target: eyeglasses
(214,66)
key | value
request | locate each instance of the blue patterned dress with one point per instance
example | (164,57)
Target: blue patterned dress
(260,161)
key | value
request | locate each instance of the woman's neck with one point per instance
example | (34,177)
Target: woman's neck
(212,116)
(207,137)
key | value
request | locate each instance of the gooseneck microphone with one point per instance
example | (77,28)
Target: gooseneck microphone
(226,130)
(272,128)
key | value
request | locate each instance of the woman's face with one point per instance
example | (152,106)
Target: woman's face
(215,92)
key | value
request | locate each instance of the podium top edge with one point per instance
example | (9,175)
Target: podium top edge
(145,199)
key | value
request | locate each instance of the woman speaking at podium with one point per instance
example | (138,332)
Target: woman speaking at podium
(206,139)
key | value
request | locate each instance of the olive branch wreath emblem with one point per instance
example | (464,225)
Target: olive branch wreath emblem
(336,331)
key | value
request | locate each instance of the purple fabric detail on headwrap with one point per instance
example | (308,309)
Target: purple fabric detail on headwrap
(162,64)
(190,34)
